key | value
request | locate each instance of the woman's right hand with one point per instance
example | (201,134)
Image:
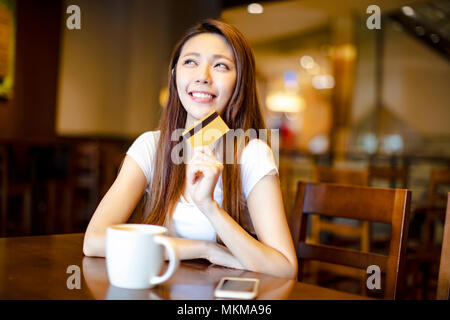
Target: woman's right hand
(200,249)
(221,255)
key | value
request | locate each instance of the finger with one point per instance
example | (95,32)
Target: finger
(206,164)
(198,167)
(205,170)
(198,157)
(206,156)
(208,151)
(200,162)
(205,149)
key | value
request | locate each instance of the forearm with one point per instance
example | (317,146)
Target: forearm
(94,245)
(251,253)
(189,248)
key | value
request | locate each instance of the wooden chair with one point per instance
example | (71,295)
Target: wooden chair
(342,230)
(390,206)
(423,258)
(435,208)
(285,173)
(342,176)
(9,190)
(395,175)
(443,289)
(386,177)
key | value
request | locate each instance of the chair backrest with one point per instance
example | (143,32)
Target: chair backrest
(357,177)
(435,209)
(438,176)
(342,176)
(390,206)
(393,174)
(443,290)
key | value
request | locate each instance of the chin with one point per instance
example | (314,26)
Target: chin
(200,112)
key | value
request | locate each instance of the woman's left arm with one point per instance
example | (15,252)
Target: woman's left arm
(274,253)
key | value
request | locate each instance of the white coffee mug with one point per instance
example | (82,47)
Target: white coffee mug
(134,255)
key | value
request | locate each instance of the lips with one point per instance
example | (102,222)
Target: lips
(202,96)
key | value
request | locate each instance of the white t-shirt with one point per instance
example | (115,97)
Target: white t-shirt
(188,221)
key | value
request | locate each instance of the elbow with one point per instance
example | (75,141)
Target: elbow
(87,248)
(287,269)
(292,271)
(92,246)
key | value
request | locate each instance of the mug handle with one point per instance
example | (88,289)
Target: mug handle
(173,260)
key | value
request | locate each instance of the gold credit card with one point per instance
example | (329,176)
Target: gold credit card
(206,130)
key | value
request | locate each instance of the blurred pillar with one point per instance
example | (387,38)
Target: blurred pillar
(343,61)
(378,82)
(30,111)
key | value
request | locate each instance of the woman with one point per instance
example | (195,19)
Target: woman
(203,199)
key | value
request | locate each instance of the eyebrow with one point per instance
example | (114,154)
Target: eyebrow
(215,56)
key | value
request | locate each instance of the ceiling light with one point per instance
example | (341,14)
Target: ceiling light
(408,11)
(255,8)
(307,62)
(323,82)
(285,102)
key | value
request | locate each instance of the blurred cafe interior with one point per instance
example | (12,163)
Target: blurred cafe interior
(357,99)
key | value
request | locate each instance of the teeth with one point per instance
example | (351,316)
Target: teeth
(202,95)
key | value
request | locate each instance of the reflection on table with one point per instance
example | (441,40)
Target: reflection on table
(39,268)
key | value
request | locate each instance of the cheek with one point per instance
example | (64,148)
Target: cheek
(182,78)
(178,81)
(228,86)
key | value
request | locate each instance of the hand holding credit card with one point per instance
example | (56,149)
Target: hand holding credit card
(206,130)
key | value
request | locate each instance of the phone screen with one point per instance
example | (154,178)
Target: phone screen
(238,285)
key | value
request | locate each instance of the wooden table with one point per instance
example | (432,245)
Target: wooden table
(37,268)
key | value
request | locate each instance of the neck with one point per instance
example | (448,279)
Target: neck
(189,122)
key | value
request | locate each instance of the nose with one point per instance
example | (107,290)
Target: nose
(203,75)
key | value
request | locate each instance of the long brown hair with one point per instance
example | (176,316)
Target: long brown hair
(241,112)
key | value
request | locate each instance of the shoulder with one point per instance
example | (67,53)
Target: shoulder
(148,139)
(143,150)
(150,136)
(257,160)
(254,149)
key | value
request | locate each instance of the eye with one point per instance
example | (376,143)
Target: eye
(189,61)
(222,66)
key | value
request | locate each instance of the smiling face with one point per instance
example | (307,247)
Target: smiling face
(205,75)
